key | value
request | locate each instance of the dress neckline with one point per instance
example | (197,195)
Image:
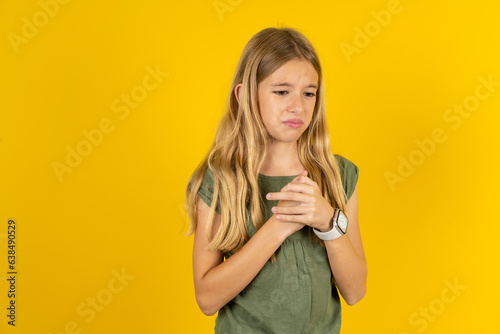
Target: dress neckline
(278,177)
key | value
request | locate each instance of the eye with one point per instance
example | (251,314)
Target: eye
(311,94)
(278,92)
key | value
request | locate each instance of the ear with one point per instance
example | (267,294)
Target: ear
(237,92)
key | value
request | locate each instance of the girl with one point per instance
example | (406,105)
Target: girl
(274,212)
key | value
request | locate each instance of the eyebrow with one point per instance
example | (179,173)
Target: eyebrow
(290,85)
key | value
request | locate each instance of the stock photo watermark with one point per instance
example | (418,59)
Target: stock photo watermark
(12,234)
(223,6)
(94,137)
(429,313)
(453,117)
(292,282)
(94,304)
(30,27)
(373,28)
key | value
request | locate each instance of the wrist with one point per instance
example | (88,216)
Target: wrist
(339,228)
(327,226)
(277,229)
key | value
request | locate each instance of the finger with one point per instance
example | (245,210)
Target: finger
(306,188)
(290,196)
(291,218)
(307,180)
(295,179)
(303,178)
(288,203)
(303,174)
(291,210)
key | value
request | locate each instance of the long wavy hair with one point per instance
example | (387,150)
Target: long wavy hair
(242,142)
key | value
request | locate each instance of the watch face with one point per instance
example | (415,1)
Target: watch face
(342,222)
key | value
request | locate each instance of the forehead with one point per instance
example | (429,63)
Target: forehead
(293,72)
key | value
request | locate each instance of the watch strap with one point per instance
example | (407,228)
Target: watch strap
(334,233)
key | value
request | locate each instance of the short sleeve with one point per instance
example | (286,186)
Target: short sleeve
(349,174)
(206,191)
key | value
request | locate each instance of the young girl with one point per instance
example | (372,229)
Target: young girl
(274,212)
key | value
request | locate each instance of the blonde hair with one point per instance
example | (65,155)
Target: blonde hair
(242,141)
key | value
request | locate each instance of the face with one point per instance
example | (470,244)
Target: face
(287,98)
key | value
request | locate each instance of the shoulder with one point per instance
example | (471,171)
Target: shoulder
(349,174)
(206,190)
(345,164)
(208,179)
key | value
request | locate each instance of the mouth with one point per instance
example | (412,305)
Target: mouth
(293,123)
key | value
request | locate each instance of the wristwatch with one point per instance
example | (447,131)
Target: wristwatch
(340,222)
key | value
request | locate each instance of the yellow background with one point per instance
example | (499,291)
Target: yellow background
(120,208)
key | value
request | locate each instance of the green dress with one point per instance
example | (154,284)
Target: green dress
(297,294)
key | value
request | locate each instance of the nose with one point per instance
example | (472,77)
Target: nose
(296,103)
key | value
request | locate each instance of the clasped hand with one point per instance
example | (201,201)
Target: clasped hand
(301,202)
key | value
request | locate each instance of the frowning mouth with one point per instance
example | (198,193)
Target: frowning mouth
(293,123)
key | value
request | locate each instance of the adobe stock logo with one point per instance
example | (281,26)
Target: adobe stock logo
(222,6)
(30,28)
(427,314)
(97,303)
(372,29)
(94,137)
(427,146)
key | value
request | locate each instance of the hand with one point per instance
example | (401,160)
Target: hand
(290,228)
(292,203)
(310,208)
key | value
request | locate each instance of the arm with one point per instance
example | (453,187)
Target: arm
(216,281)
(347,257)
(345,254)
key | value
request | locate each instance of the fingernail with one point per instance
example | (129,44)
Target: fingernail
(278,217)
(273,209)
(268,196)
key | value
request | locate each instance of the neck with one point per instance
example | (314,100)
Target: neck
(282,160)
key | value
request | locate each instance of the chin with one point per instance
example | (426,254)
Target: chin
(293,139)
